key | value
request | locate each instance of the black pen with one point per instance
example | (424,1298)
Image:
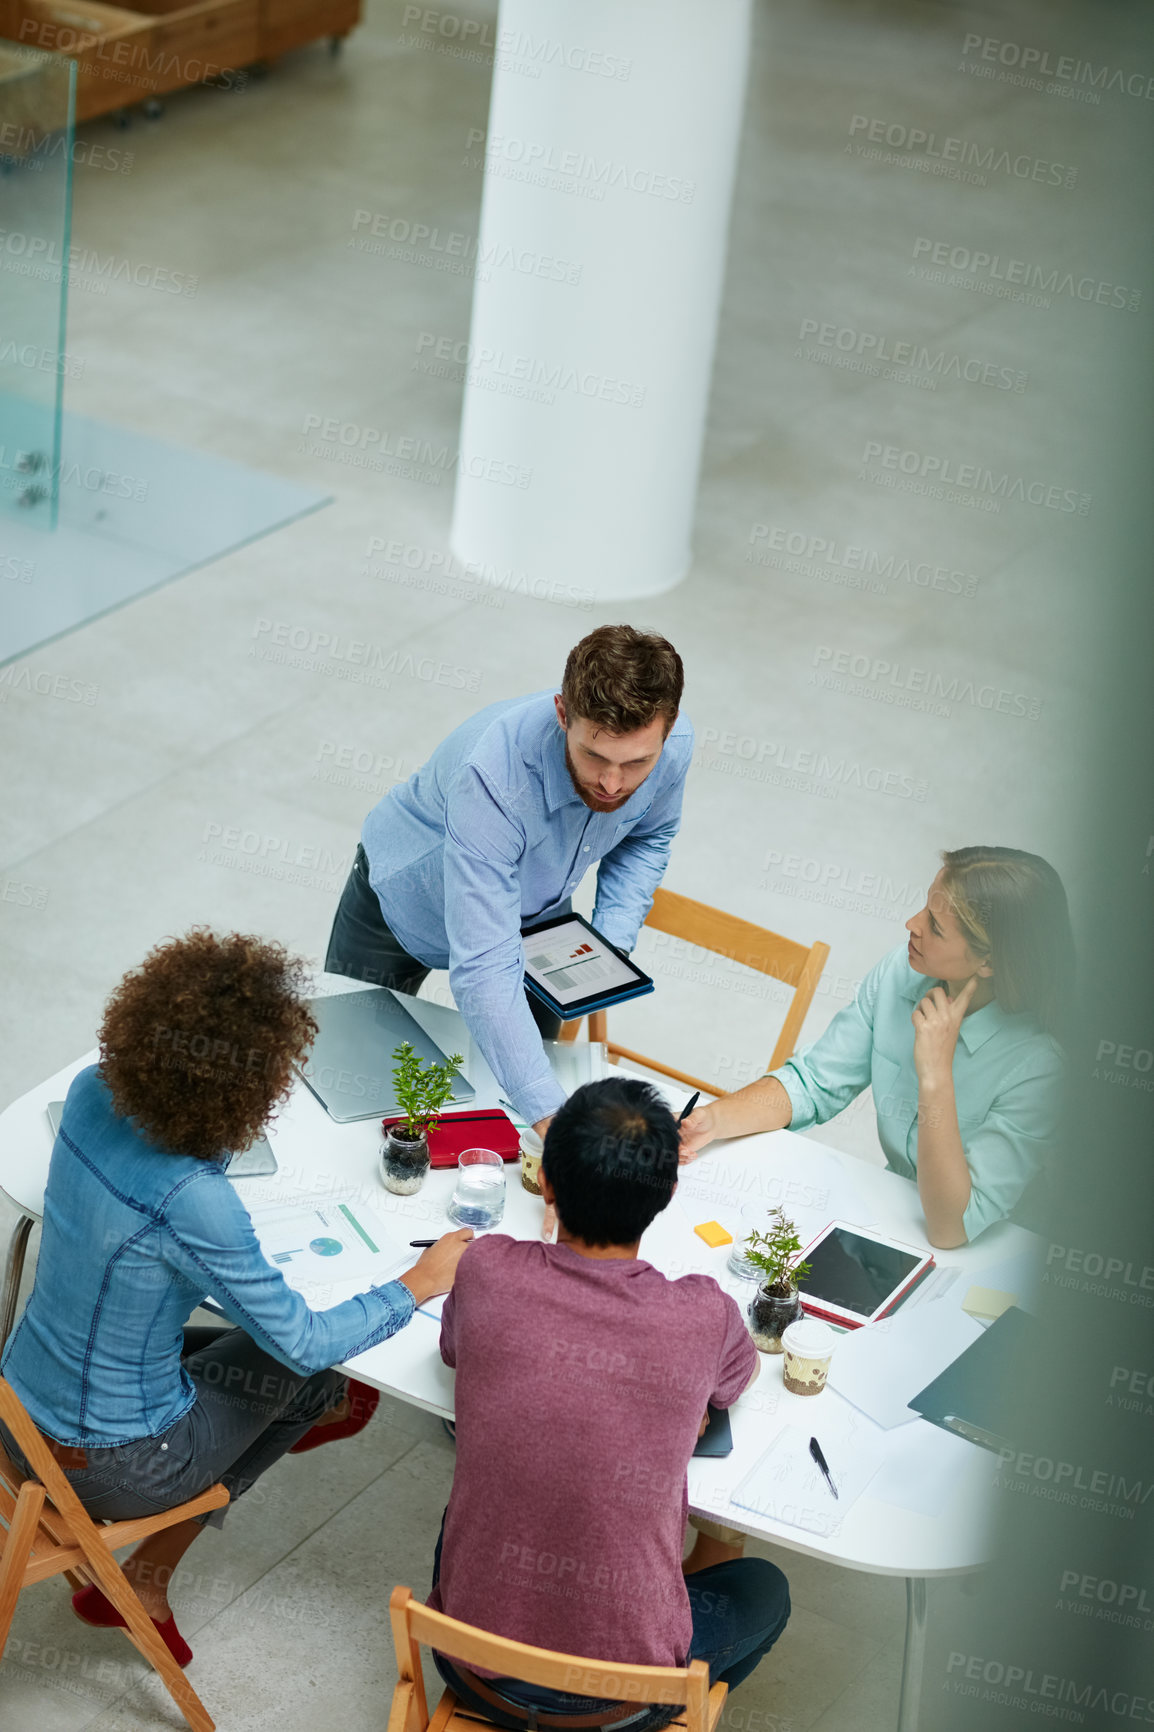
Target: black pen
(421,1244)
(688,1107)
(815,1451)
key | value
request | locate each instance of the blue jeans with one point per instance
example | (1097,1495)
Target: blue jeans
(739,1610)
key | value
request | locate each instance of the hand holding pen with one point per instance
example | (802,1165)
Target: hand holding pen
(689,1106)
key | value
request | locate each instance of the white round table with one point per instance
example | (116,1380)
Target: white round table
(735,1183)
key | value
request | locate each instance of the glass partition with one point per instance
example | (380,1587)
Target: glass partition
(127,511)
(37,99)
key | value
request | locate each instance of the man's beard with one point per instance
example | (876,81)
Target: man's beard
(591,800)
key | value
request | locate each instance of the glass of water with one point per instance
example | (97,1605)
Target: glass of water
(478,1200)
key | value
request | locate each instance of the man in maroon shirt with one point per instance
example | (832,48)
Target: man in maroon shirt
(583,1377)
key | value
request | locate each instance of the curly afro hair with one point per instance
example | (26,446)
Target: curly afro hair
(197,1044)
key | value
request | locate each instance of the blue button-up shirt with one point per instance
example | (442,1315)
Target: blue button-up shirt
(489,836)
(1006,1085)
(134,1238)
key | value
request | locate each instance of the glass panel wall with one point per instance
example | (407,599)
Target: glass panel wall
(37,99)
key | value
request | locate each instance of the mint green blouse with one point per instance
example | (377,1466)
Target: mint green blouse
(1006,1083)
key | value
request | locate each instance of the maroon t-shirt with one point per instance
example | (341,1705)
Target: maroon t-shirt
(581,1385)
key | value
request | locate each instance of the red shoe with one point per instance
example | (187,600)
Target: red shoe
(363,1403)
(95,1608)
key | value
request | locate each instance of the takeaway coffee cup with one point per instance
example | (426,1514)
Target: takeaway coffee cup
(531,1149)
(808,1346)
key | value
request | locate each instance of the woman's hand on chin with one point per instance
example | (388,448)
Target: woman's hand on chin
(936,1019)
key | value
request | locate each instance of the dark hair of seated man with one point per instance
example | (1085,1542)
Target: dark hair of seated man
(611,1156)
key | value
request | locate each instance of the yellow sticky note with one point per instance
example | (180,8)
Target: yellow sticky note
(713,1233)
(987,1302)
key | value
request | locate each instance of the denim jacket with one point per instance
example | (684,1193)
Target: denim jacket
(134,1239)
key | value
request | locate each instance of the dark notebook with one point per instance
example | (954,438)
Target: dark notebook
(976,1396)
(717,1438)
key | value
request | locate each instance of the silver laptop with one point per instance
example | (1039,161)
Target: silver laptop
(252,1163)
(350,1065)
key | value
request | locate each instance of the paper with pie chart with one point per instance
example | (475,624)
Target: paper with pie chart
(322,1246)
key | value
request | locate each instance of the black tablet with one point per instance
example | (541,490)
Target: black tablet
(856,1277)
(571,968)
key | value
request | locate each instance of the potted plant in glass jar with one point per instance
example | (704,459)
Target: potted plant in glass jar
(423,1088)
(776,1302)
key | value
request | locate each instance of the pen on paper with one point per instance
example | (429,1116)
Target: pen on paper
(421,1244)
(815,1451)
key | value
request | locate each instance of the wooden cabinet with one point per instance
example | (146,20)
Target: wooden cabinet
(286,24)
(125,55)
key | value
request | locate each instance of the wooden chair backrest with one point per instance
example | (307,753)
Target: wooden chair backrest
(414,1624)
(51,1534)
(726,935)
(39,1457)
(794,964)
(67,1514)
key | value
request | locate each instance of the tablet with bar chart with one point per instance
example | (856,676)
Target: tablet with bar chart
(571,968)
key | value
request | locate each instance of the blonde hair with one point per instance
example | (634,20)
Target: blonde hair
(1011,908)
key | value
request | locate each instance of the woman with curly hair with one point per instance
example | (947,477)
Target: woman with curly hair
(141,1223)
(958,1033)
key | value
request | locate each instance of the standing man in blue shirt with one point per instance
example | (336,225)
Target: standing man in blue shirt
(497,830)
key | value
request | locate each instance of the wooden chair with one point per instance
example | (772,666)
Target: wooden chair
(755,947)
(414,1624)
(50,1533)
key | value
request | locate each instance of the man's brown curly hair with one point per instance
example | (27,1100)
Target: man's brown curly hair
(621,679)
(197,1044)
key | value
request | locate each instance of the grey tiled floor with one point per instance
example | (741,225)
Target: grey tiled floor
(285,1610)
(113,815)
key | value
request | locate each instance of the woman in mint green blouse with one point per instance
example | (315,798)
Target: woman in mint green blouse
(966,1074)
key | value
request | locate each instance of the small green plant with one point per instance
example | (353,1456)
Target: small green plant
(423,1087)
(773,1253)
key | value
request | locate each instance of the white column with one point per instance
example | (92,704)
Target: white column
(609,165)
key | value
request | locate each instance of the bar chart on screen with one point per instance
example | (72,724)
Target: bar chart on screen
(574,966)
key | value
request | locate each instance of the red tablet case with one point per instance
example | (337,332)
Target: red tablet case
(483,1128)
